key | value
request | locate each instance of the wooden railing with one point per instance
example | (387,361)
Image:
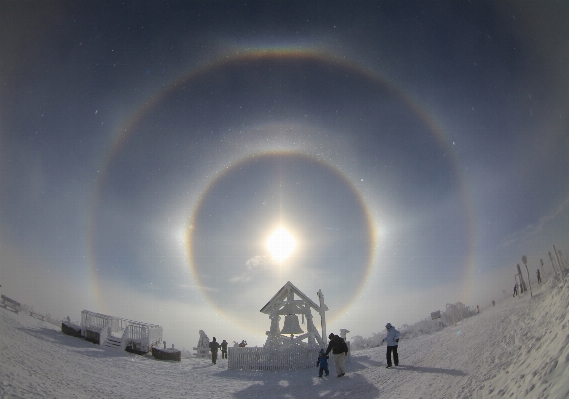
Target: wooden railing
(145,335)
(135,333)
(124,339)
(104,333)
(9,302)
(260,358)
(92,319)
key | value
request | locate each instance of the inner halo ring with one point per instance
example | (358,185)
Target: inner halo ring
(370,225)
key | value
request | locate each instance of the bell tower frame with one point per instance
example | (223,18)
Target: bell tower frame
(290,302)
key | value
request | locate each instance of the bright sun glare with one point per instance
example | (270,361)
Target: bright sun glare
(281,244)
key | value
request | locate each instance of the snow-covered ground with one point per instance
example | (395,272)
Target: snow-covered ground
(517,349)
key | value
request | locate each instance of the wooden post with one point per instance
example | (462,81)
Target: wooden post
(559,263)
(322,316)
(552,264)
(525,260)
(523,287)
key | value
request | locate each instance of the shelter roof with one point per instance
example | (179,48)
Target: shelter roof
(282,294)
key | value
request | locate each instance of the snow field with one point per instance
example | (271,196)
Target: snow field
(517,349)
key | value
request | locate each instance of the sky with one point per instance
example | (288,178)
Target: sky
(148,150)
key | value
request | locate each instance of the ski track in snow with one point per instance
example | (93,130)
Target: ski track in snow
(517,349)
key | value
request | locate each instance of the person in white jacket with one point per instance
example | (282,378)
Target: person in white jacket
(392,340)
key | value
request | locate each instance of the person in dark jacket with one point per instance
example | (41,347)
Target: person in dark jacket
(224,349)
(323,363)
(340,350)
(214,347)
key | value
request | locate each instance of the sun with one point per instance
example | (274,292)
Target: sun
(281,244)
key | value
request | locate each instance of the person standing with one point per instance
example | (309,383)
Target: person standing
(214,347)
(323,363)
(339,349)
(224,349)
(392,340)
(538,277)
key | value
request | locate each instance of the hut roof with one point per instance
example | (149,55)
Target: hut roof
(282,294)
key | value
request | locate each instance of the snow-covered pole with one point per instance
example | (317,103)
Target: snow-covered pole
(566,258)
(525,260)
(322,312)
(559,263)
(552,264)
(563,262)
(523,287)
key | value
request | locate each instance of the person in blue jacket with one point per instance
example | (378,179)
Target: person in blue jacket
(323,363)
(392,340)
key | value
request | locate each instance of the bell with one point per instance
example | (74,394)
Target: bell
(291,325)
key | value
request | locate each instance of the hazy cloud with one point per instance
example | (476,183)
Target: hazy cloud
(253,266)
(537,228)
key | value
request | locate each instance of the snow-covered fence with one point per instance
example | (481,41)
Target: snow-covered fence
(22,307)
(95,320)
(95,326)
(142,337)
(135,336)
(260,358)
(9,302)
(103,334)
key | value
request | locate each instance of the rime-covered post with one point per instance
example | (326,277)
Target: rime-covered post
(559,263)
(552,264)
(310,328)
(563,262)
(274,316)
(322,312)
(525,260)
(523,286)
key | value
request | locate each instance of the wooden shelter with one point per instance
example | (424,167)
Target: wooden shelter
(116,332)
(290,302)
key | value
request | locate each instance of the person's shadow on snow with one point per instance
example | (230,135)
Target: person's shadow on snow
(363,362)
(300,384)
(432,370)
